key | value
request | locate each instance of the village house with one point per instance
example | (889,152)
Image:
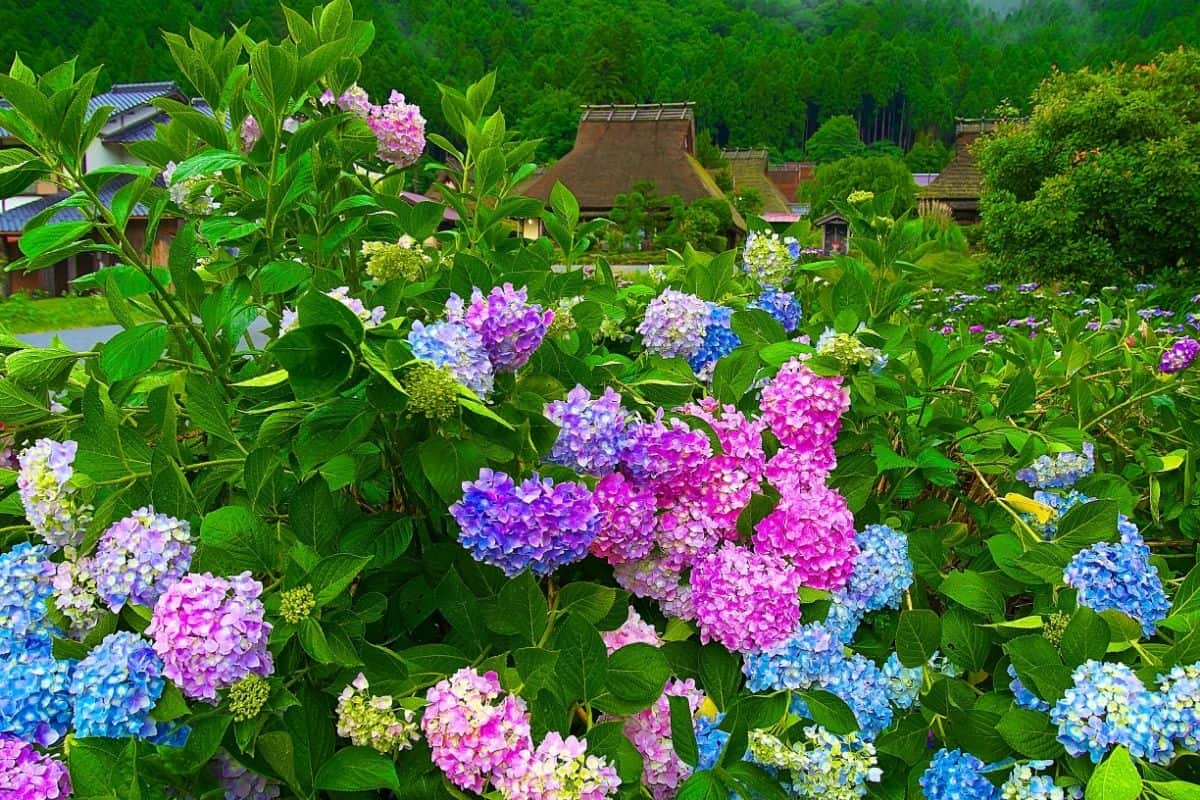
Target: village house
(132,119)
(958,186)
(617,146)
(749,170)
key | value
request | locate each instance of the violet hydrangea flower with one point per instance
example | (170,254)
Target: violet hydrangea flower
(674,324)
(52,506)
(399,129)
(210,633)
(26,774)
(457,348)
(650,731)
(651,577)
(803,409)
(626,508)
(664,456)
(538,525)
(745,600)
(140,557)
(1179,356)
(510,327)
(590,431)
(560,769)
(240,783)
(476,732)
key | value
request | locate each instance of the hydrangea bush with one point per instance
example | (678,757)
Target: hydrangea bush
(373,498)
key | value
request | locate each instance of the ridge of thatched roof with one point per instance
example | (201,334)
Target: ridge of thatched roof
(749,171)
(960,179)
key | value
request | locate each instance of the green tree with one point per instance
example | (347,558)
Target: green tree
(927,155)
(837,138)
(1103,181)
(878,174)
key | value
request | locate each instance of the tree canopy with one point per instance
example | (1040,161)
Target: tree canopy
(874,173)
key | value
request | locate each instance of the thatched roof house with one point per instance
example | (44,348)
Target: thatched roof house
(958,186)
(617,146)
(748,168)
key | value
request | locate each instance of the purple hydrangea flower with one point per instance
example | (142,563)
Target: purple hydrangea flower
(115,688)
(590,431)
(400,130)
(745,600)
(664,456)
(240,783)
(210,633)
(674,324)
(627,524)
(140,556)
(510,327)
(538,525)
(456,347)
(26,774)
(1179,356)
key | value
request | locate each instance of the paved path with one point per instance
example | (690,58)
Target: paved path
(83,339)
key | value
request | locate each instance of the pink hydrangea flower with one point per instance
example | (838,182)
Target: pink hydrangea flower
(650,731)
(815,531)
(791,471)
(803,409)
(686,527)
(210,633)
(745,600)
(651,577)
(626,519)
(400,129)
(560,769)
(633,630)
(476,732)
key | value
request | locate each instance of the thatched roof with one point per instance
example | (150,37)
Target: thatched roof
(749,171)
(960,180)
(618,146)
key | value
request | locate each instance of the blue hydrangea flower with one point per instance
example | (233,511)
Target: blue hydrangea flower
(1181,704)
(1062,503)
(1109,706)
(35,699)
(1022,696)
(26,581)
(863,687)
(710,740)
(955,775)
(882,571)
(810,656)
(538,525)
(591,432)
(719,340)
(1121,577)
(781,305)
(459,349)
(1060,471)
(116,686)
(843,621)
(1025,784)
(903,683)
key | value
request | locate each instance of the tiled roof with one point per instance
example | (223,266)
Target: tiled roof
(14,220)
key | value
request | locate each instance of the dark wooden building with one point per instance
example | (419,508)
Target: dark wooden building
(959,185)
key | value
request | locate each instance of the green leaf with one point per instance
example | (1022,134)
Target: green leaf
(315,643)
(206,163)
(720,674)
(592,601)
(754,781)
(974,591)
(311,512)
(1187,596)
(637,674)
(1030,733)
(1175,790)
(1018,396)
(1088,523)
(38,367)
(132,352)
(18,169)
(278,277)
(203,402)
(316,360)
(829,711)
(522,610)
(18,406)
(448,464)
(608,739)
(536,668)
(918,636)
(1039,667)
(1116,778)
(357,769)
(683,732)
(233,540)
(1086,637)
(582,659)
(333,574)
(702,786)
(45,238)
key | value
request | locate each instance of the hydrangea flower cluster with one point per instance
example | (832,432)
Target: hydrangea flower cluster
(769,257)
(633,630)
(955,775)
(719,341)
(432,391)
(1022,696)
(781,305)
(675,324)
(390,261)
(35,699)
(193,194)
(626,519)
(1179,356)
(745,599)
(801,662)
(849,352)
(26,774)
(369,720)
(591,431)
(115,688)
(26,574)
(1024,783)
(398,125)
(247,697)
(289,320)
(240,783)
(140,557)
(803,409)
(538,525)
(651,577)
(75,595)
(862,686)
(1109,706)
(710,740)
(475,731)
(822,764)
(210,633)
(510,327)
(52,505)
(903,683)
(882,571)
(1060,471)
(650,731)
(1180,690)
(816,531)
(665,457)
(296,603)
(457,348)
(561,769)
(1119,576)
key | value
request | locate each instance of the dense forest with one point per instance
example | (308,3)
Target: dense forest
(762,72)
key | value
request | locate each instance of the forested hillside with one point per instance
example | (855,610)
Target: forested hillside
(763,72)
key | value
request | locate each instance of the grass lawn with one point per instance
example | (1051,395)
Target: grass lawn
(19,314)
